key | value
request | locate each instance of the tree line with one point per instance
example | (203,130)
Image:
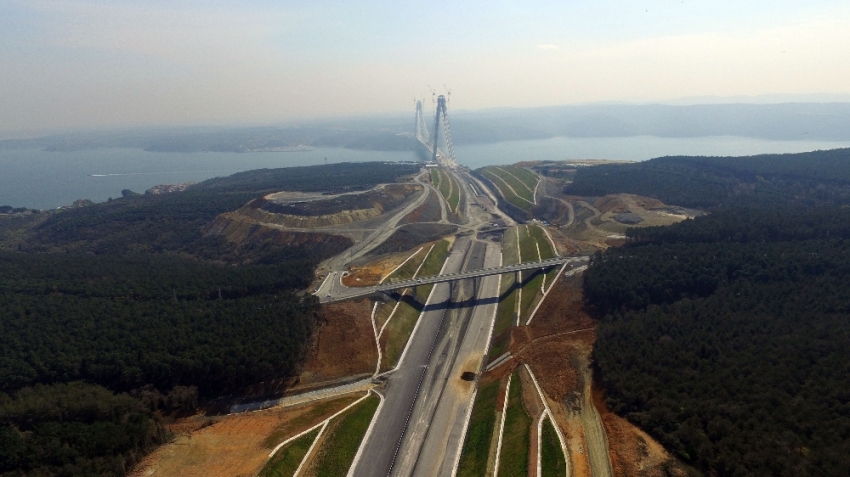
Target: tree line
(727,337)
(812,178)
(114,314)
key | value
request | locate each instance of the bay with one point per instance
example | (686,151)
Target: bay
(44,179)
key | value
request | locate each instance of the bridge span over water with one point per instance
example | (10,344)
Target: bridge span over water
(358,292)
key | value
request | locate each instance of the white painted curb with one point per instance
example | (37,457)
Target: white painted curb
(502,425)
(551,416)
(365,437)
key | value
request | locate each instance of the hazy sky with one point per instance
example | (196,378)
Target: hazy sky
(82,64)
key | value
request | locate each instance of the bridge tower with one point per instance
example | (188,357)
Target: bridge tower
(420,128)
(447,158)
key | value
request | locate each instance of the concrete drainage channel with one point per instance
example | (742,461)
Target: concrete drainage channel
(361,385)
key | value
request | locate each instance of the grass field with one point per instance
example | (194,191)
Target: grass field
(482,425)
(447,186)
(552,461)
(506,313)
(537,233)
(398,331)
(534,245)
(527,244)
(516,438)
(527,177)
(287,459)
(546,251)
(402,323)
(435,177)
(342,442)
(408,269)
(520,244)
(515,184)
(318,413)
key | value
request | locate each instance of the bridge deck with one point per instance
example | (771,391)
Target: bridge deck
(395,285)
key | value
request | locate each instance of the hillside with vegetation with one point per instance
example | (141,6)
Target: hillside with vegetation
(726,337)
(114,314)
(812,178)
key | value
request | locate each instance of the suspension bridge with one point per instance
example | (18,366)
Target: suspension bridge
(442,152)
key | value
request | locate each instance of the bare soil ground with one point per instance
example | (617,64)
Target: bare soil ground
(557,346)
(563,244)
(231,446)
(532,404)
(372,272)
(411,236)
(383,198)
(344,344)
(633,452)
(427,212)
(600,222)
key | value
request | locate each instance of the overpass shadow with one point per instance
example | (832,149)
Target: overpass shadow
(419,304)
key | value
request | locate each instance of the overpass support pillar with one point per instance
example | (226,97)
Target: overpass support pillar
(415,295)
(516,278)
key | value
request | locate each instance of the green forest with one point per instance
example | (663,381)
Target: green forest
(727,337)
(812,178)
(116,314)
(147,223)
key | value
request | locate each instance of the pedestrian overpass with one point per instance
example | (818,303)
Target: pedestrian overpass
(357,292)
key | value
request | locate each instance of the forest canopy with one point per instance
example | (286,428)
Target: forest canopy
(115,312)
(812,178)
(727,337)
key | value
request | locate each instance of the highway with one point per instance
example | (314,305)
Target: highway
(436,431)
(419,429)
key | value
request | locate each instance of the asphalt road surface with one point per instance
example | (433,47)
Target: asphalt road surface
(381,450)
(419,428)
(435,436)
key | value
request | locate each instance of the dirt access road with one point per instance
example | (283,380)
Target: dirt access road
(336,265)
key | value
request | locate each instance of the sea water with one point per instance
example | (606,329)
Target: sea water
(43,179)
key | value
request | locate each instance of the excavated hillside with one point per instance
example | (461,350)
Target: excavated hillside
(242,230)
(621,203)
(338,210)
(269,217)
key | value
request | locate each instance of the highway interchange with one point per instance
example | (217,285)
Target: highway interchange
(420,425)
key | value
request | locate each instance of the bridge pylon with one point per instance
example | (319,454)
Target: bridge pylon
(445,158)
(420,128)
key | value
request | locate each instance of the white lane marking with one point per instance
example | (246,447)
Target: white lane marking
(502,425)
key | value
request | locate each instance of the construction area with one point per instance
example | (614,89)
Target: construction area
(477,377)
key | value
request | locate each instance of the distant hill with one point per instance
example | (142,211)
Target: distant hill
(116,313)
(726,336)
(784,121)
(819,177)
